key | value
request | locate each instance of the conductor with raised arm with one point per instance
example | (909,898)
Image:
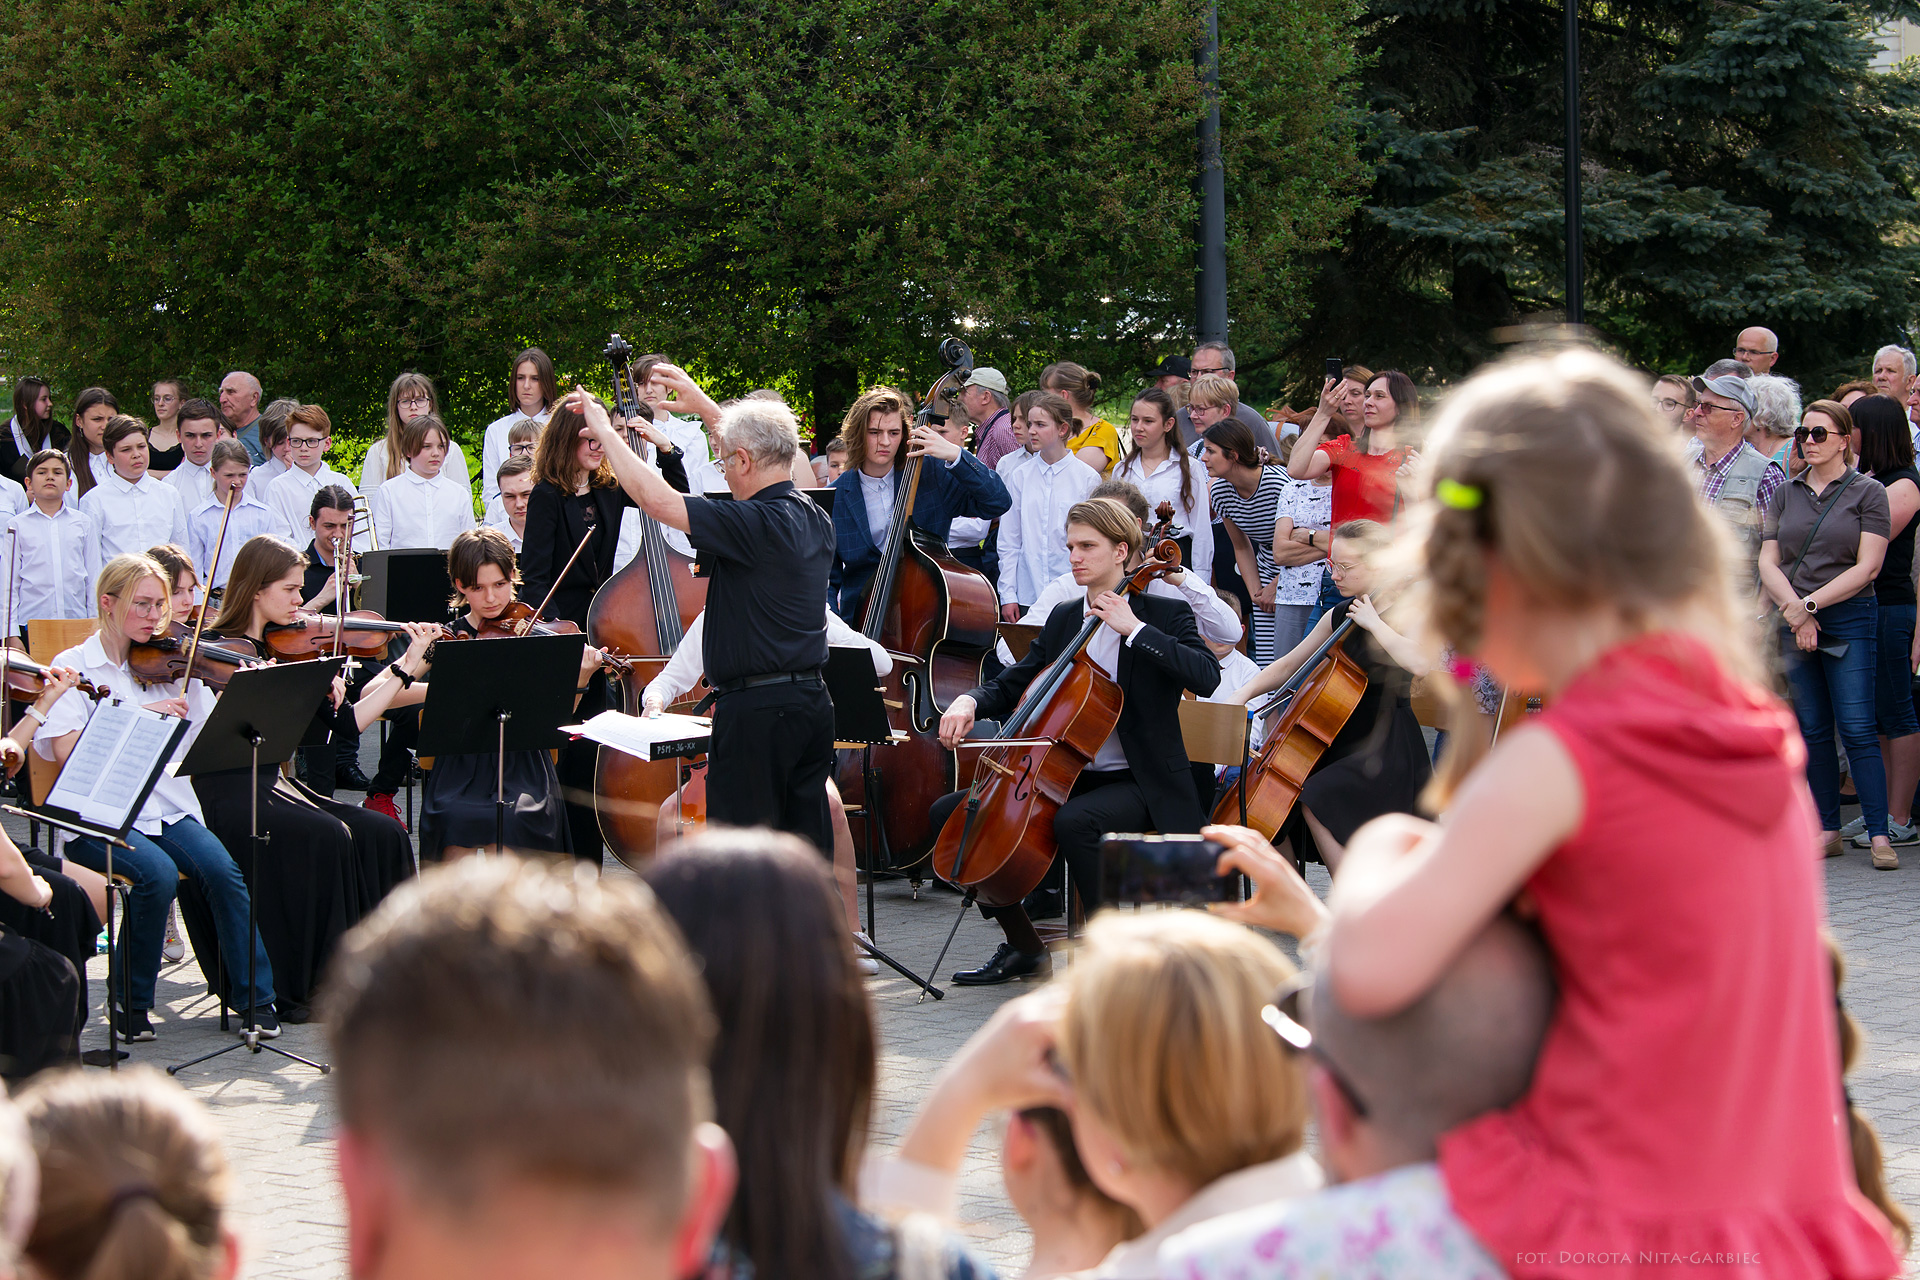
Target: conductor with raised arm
(766,637)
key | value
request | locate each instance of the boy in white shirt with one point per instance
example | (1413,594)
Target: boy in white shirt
(290,496)
(508,512)
(132,510)
(1033,534)
(420,507)
(51,560)
(250,518)
(199,428)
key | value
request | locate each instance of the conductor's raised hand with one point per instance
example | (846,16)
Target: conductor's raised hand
(588,406)
(1112,608)
(924,441)
(687,392)
(1281,901)
(957,722)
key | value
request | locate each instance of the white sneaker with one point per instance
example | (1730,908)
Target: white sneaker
(1854,829)
(864,962)
(1896,834)
(173,950)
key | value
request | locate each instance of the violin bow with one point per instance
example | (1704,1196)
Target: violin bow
(13,572)
(219,541)
(562,578)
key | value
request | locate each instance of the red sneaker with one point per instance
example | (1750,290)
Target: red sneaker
(381,802)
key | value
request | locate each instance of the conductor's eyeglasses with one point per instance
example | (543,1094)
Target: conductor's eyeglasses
(1288,1020)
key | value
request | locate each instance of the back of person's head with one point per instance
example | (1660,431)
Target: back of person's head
(1881,436)
(1053,1128)
(1558,466)
(1464,1048)
(1124,492)
(133,1183)
(501,1023)
(1869,1165)
(1163,1041)
(1778,404)
(1846,389)
(1721,368)
(766,429)
(273,422)
(19,1184)
(1074,381)
(793,1068)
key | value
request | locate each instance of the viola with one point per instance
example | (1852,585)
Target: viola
(27,679)
(163,659)
(999,842)
(928,606)
(1325,690)
(642,612)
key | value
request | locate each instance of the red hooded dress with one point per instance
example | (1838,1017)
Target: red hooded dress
(1685,1115)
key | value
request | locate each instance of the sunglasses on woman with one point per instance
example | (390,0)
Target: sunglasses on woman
(1816,434)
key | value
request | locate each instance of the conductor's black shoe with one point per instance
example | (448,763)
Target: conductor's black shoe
(1006,965)
(347,776)
(133,1025)
(264,1022)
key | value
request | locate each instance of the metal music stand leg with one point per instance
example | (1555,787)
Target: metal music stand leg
(965,902)
(249,1034)
(872,780)
(500,786)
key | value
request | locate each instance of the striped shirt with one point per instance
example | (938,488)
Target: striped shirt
(1255,516)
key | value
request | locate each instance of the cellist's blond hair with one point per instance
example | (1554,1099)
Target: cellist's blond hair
(1109,518)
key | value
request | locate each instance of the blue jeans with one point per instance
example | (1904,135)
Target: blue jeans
(1329,597)
(154,866)
(1830,692)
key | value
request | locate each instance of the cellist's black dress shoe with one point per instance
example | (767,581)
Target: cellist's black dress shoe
(1006,965)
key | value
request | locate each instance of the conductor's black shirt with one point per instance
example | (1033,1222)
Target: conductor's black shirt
(767,594)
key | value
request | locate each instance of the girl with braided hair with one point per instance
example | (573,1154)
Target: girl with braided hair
(1655,820)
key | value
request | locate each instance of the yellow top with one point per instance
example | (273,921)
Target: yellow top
(1104,436)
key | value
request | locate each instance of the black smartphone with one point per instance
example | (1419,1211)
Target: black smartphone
(1336,368)
(1153,868)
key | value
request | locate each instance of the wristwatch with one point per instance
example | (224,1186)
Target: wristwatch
(1810,605)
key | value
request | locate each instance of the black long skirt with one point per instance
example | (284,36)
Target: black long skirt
(456,808)
(69,925)
(382,854)
(43,1006)
(1382,772)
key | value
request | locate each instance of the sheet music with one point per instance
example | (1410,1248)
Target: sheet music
(122,747)
(638,735)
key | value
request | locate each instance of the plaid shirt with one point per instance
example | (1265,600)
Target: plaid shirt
(1713,478)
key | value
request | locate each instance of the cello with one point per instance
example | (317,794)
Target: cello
(1325,690)
(939,614)
(999,842)
(642,612)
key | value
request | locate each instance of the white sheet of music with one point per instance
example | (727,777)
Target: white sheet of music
(121,748)
(638,735)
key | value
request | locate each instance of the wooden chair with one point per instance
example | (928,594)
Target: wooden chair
(1215,732)
(47,638)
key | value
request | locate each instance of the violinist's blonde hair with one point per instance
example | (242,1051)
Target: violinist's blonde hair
(1559,466)
(1163,1040)
(121,575)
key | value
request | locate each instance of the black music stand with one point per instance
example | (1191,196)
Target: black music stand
(406,584)
(259,719)
(860,721)
(109,831)
(500,696)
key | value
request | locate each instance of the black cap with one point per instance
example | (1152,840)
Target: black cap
(1172,367)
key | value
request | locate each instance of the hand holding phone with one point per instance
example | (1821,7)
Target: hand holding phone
(1137,869)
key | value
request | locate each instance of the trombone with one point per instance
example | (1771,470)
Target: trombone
(363,519)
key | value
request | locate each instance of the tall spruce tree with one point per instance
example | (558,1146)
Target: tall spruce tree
(1742,164)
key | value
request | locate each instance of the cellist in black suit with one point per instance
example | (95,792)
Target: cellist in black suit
(1140,779)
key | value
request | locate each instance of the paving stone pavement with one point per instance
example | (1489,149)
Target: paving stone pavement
(278,1116)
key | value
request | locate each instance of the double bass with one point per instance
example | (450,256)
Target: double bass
(941,615)
(642,613)
(1325,691)
(999,842)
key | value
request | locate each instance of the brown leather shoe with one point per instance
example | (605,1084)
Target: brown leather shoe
(1835,845)
(1885,859)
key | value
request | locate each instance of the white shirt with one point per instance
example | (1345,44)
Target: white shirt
(266,473)
(1104,649)
(688,664)
(1162,484)
(1309,504)
(1217,623)
(98,464)
(412,511)
(497,519)
(250,519)
(290,498)
(129,516)
(172,797)
(968,531)
(194,480)
(878,492)
(373,471)
(493,449)
(1012,461)
(1235,670)
(13,498)
(1033,532)
(689,435)
(51,565)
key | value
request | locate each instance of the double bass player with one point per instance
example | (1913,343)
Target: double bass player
(1139,779)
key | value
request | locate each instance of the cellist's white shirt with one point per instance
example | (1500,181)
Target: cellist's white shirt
(688,663)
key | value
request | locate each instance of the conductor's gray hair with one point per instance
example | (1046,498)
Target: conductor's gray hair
(766,429)
(1779,403)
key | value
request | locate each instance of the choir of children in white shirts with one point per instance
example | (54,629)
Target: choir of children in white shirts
(131,509)
(290,495)
(421,507)
(250,518)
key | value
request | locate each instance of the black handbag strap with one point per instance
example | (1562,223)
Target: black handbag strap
(1832,502)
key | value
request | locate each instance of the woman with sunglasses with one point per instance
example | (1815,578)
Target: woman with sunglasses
(1824,541)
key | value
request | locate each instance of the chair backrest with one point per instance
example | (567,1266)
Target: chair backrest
(1214,732)
(1428,708)
(47,638)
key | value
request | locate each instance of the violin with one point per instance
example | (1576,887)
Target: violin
(1325,691)
(942,614)
(999,842)
(312,635)
(163,659)
(519,619)
(27,679)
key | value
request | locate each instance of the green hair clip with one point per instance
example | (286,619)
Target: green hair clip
(1461,497)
